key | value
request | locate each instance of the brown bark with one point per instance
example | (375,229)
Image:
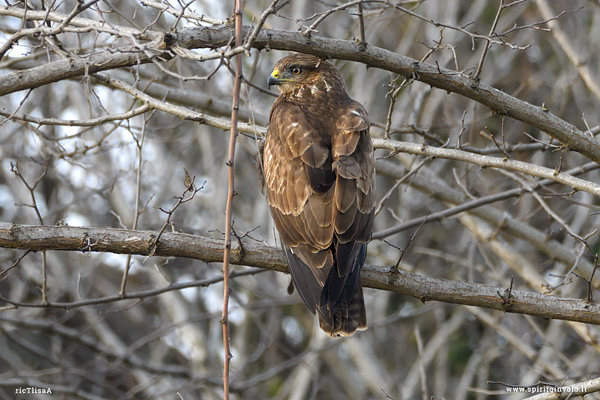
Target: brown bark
(38,238)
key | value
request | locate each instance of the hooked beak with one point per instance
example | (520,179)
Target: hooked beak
(274,79)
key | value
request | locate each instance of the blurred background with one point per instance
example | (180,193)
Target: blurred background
(120,172)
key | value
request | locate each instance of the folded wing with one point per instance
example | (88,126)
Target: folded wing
(320,187)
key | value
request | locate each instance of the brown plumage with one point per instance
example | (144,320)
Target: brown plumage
(320,183)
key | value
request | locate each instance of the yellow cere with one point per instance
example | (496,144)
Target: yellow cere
(275,73)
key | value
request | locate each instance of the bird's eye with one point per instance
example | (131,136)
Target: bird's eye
(296,70)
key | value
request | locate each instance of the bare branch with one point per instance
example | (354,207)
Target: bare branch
(38,238)
(203,37)
(485,161)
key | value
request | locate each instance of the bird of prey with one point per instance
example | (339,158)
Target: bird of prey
(319,173)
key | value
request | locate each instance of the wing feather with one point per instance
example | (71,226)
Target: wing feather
(320,186)
(344,221)
(319,218)
(300,184)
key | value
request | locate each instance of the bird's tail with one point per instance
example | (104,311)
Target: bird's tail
(347,317)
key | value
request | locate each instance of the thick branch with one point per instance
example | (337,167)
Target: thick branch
(435,76)
(38,238)
(64,69)
(213,37)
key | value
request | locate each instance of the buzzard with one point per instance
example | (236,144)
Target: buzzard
(320,184)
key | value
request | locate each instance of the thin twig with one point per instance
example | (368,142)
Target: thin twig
(70,122)
(132,295)
(273,8)
(362,42)
(139,144)
(413,171)
(491,137)
(230,193)
(4,271)
(9,117)
(190,186)
(552,288)
(410,240)
(528,187)
(487,45)
(186,14)
(14,167)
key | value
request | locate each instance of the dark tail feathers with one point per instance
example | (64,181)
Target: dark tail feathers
(347,317)
(342,306)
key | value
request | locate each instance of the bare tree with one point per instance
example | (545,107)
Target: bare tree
(116,171)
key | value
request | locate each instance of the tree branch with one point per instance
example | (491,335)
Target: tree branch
(214,37)
(39,238)
(486,161)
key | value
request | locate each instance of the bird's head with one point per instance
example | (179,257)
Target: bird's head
(302,70)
